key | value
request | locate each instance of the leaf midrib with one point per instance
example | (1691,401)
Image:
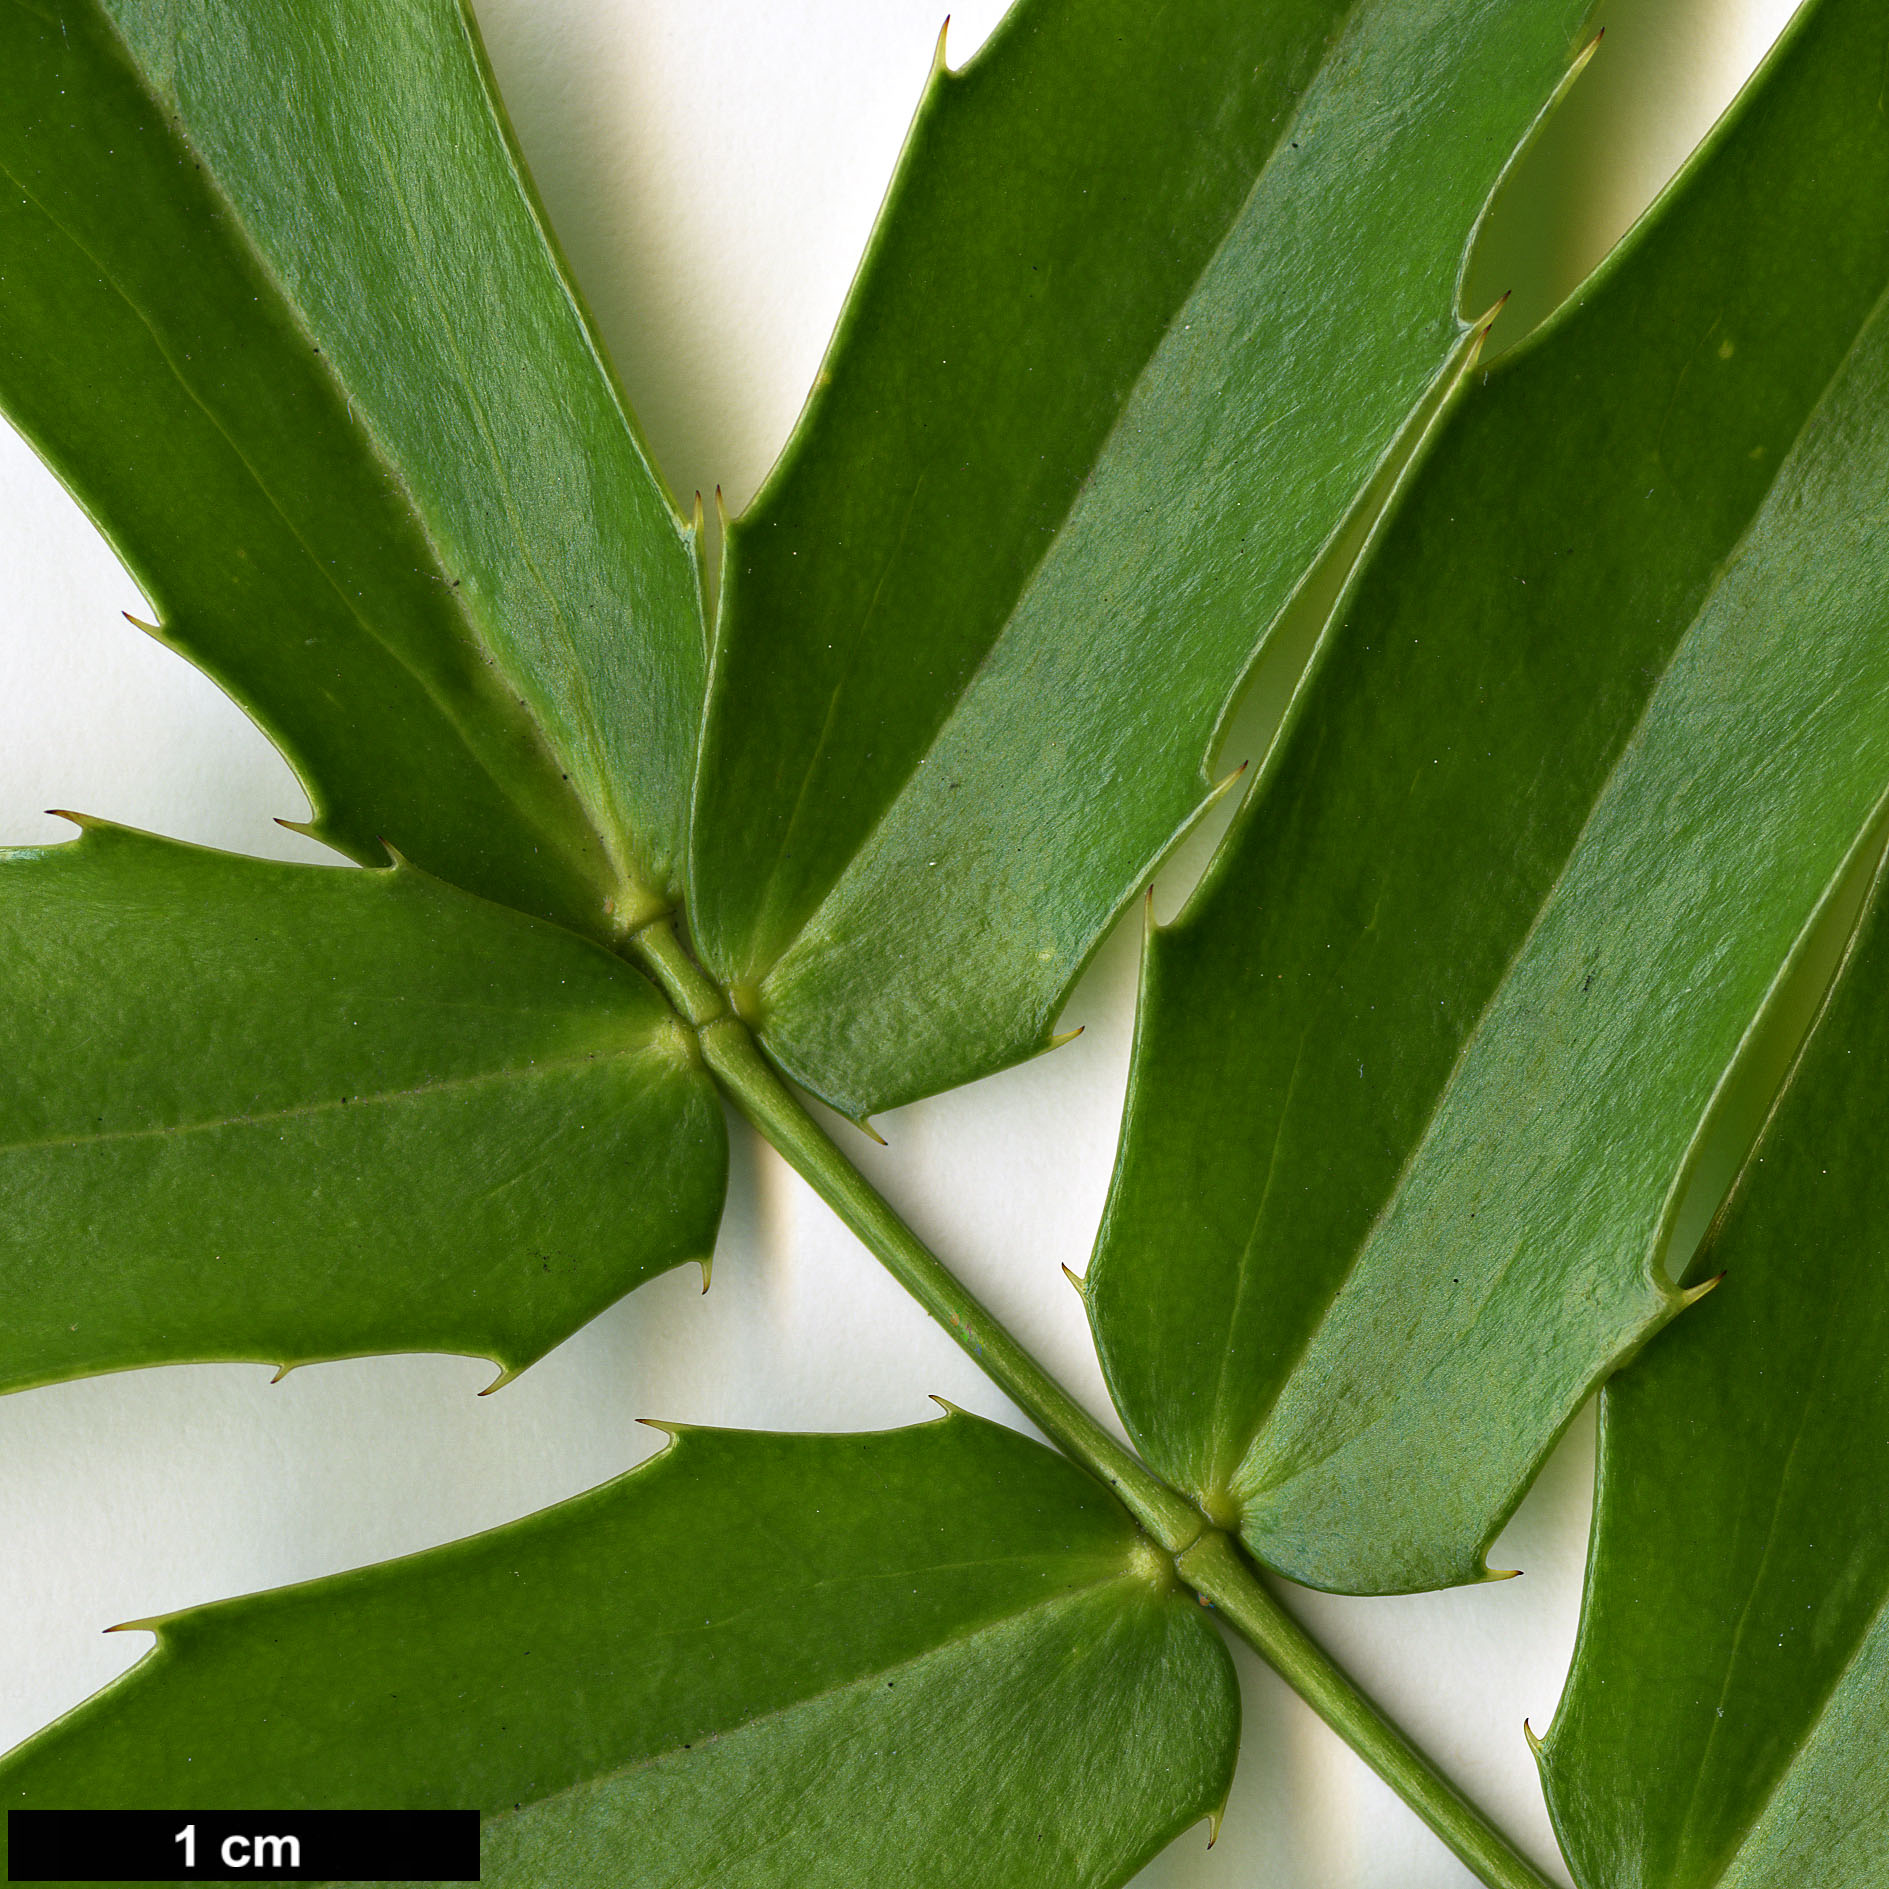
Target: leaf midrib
(1287,1473)
(446,1085)
(1798,1745)
(367,443)
(1052,538)
(1066,1600)
(608,829)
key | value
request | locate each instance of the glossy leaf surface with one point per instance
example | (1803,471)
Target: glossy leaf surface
(291,1112)
(1723,1722)
(919,1657)
(1154,294)
(276,304)
(1422,1069)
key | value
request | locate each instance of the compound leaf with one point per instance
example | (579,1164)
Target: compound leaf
(1423,1069)
(277,305)
(1723,1721)
(1155,292)
(923,1656)
(251,1110)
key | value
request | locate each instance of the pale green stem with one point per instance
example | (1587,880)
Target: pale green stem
(778,1113)
(1216,1570)
(1205,1558)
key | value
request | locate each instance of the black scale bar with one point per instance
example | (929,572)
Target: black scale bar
(242,1846)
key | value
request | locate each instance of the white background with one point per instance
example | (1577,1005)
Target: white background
(713,167)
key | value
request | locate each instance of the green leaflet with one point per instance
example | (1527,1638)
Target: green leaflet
(1422,1069)
(276,303)
(1154,294)
(939,1655)
(286,1113)
(1723,1722)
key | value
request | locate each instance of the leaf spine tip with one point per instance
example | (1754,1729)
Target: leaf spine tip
(1484,323)
(1534,1743)
(1223,786)
(673,1431)
(938,65)
(281,1371)
(152,1625)
(1068,1036)
(1081,1285)
(1501,1574)
(707,1264)
(83,821)
(505,1375)
(1693,1294)
(1214,1820)
(1149,923)
(864,1125)
(947,1406)
(150,629)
